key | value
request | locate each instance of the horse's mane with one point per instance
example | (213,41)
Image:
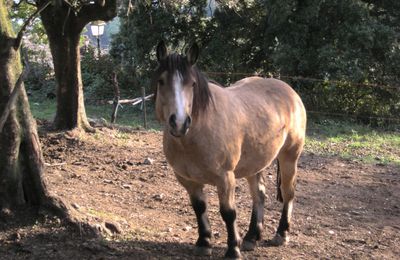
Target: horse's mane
(201,93)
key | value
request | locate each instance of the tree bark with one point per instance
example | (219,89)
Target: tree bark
(63,27)
(21,161)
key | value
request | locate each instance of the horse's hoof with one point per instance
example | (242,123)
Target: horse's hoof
(202,251)
(279,240)
(248,245)
(233,253)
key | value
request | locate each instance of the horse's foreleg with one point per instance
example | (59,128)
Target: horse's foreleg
(226,195)
(199,204)
(257,190)
(288,170)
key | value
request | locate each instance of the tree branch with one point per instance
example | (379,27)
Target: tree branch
(18,40)
(13,96)
(97,11)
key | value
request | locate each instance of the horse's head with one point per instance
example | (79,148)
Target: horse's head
(178,94)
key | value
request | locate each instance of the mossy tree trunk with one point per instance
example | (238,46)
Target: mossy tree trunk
(21,162)
(63,27)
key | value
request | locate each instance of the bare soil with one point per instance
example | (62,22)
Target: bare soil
(121,184)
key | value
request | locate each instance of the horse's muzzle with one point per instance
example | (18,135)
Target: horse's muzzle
(176,129)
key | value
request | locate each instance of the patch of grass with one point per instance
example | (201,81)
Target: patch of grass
(103,214)
(43,110)
(127,114)
(353,141)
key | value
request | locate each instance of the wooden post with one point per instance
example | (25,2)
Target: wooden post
(116,98)
(144,108)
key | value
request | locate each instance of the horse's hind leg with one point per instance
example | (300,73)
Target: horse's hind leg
(288,169)
(257,190)
(199,204)
(226,195)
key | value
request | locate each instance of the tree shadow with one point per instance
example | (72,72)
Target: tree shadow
(28,235)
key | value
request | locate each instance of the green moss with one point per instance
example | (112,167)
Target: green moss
(5,24)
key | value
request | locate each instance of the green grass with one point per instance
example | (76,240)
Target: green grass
(43,110)
(127,115)
(353,141)
(324,137)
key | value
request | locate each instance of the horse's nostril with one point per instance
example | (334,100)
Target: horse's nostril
(188,121)
(172,121)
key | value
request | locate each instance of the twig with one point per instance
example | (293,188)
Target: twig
(18,40)
(65,21)
(116,98)
(55,164)
(125,101)
(14,95)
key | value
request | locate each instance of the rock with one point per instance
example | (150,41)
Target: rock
(102,229)
(148,161)
(107,181)
(75,205)
(187,228)
(126,186)
(159,197)
(113,227)
(331,232)
(16,236)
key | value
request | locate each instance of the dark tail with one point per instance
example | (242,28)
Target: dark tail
(278,182)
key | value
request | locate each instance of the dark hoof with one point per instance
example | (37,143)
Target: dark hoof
(233,253)
(278,240)
(248,245)
(202,251)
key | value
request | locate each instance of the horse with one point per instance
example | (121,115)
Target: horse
(214,135)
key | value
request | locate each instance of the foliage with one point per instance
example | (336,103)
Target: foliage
(337,40)
(179,23)
(20,12)
(341,42)
(41,76)
(97,75)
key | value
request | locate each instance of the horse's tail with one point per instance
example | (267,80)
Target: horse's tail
(278,182)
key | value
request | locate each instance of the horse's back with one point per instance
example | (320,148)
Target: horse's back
(272,96)
(275,118)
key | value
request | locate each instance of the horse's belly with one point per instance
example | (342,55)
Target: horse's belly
(257,156)
(190,169)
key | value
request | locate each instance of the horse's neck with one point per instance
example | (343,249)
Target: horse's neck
(220,100)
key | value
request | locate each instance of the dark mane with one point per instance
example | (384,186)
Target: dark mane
(201,93)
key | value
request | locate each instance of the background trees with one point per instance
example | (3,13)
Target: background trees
(346,44)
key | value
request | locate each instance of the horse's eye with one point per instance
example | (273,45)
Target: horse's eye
(160,82)
(194,84)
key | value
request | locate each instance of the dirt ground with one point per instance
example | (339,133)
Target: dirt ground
(121,183)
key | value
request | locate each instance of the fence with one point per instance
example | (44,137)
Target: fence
(325,111)
(382,95)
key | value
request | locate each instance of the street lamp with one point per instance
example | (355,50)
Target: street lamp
(97,28)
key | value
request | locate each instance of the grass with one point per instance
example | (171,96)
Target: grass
(353,141)
(327,137)
(127,115)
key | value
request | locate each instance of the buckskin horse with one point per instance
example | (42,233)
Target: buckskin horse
(214,135)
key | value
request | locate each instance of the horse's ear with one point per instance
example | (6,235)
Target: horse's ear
(161,51)
(193,53)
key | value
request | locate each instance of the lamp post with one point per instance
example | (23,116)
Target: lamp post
(97,28)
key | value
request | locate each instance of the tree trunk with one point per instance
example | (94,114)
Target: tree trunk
(63,27)
(21,162)
(63,33)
